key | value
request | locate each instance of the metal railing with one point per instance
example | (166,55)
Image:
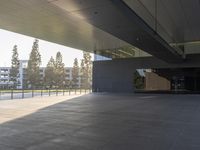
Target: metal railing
(30,93)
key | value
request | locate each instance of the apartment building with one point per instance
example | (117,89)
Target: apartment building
(5,77)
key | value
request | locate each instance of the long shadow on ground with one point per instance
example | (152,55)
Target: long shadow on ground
(109,122)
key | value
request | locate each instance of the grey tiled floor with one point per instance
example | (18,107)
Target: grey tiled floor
(109,122)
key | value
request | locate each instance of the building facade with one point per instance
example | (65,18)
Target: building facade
(5,77)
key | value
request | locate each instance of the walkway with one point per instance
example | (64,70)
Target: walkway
(102,122)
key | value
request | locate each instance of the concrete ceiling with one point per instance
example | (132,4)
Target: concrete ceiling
(116,18)
(43,19)
(100,24)
(177,20)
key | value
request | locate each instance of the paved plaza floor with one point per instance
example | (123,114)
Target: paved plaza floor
(102,122)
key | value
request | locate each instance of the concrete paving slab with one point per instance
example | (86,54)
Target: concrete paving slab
(102,122)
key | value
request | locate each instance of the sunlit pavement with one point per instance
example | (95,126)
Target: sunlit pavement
(12,109)
(102,122)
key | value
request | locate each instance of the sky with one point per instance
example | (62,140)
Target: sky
(24,44)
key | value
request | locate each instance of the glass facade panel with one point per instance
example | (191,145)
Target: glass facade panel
(122,52)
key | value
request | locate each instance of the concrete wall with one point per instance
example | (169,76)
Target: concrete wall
(111,77)
(117,75)
(156,82)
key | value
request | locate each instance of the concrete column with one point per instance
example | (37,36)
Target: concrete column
(112,76)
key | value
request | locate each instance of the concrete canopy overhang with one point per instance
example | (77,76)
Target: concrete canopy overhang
(87,24)
(44,20)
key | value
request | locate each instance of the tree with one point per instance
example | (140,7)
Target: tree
(88,65)
(50,73)
(83,74)
(138,80)
(60,73)
(14,66)
(75,72)
(86,70)
(33,68)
